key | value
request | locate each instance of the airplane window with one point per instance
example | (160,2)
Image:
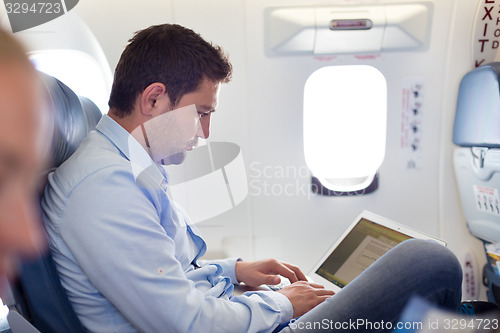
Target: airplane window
(77,70)
(345,115)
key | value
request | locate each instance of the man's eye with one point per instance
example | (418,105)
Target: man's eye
(202,115)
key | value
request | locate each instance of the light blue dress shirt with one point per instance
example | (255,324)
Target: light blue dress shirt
(126,254)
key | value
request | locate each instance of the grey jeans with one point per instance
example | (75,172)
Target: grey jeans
(373,302)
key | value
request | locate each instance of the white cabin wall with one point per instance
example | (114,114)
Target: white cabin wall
(261,110)
(459,61)
(313,222)
(408,196)
(115,21)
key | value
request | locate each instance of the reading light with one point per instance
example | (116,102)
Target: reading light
(361,24)
(345,114)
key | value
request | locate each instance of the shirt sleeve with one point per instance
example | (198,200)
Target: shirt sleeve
(228,267)
(115,235)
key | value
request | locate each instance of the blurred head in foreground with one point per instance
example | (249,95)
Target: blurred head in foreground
(23,146)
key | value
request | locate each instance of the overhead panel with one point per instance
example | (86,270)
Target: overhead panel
(347,29)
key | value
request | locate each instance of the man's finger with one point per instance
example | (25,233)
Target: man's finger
(272,280)
(298,273)
(325,292)
(284,271)
(316,285)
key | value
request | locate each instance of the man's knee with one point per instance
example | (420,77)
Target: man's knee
(434,257)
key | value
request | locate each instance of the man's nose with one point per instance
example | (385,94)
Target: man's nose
(204,129)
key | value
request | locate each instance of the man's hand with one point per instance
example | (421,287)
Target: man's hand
(255,273)
(304,296)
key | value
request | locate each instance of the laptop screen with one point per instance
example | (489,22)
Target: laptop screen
(364,244)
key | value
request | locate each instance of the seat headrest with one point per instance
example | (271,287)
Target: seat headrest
(477,117)
(74,116)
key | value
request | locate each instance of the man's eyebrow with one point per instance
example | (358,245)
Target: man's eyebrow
(205,108)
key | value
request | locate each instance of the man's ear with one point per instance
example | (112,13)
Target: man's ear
(149,98)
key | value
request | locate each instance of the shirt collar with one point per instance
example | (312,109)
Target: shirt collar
(128,146)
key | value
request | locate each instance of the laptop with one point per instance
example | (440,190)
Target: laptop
(366,240)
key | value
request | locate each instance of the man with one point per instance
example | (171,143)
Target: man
(127,255)
(22,137)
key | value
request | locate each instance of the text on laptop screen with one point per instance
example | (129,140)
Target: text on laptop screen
(364,244)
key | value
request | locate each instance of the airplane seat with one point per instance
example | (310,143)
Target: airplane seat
(476,131)
(39,295)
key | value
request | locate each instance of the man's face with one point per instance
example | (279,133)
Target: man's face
(171,134)
(21,140)
(206,99)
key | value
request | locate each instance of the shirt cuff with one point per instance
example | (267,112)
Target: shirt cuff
(285,305)
(281,301)
(228,267)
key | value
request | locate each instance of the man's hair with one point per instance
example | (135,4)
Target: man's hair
(170,54)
